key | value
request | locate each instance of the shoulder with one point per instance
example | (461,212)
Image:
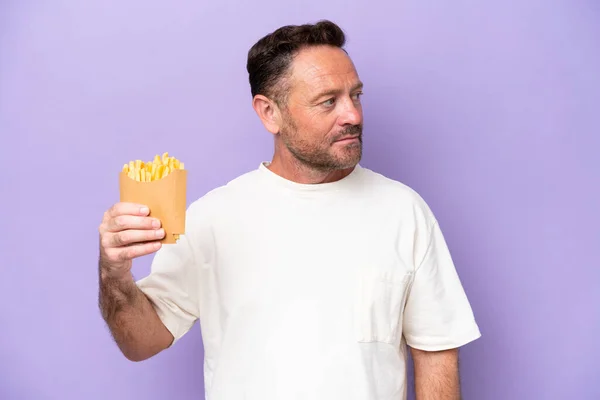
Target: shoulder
(396,195)
(223,196)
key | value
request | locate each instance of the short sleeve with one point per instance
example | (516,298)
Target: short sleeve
(438,315)
(172,285)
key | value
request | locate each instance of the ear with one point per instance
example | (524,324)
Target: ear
(268,112)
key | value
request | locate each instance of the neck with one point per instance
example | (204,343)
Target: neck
(294,170)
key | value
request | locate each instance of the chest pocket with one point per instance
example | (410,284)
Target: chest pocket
(381,293)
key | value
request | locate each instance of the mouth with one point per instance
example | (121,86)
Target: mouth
(350,139)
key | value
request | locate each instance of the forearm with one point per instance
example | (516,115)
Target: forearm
(436,375)
(133,322)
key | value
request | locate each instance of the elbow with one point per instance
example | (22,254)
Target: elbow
(141,350)
(137,355)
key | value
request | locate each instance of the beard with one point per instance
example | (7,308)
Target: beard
(321,155)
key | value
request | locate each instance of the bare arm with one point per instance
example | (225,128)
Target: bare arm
(132,320)
(126,232)
(436,374)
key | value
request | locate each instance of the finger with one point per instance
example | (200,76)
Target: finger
(127,253)
(140,249)
(124,222)
(127,208)
(131,236)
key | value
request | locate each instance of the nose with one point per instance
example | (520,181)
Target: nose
(351,114)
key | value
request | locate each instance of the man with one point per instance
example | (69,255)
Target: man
(309,275)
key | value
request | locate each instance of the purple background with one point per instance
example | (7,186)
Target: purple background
(489,109)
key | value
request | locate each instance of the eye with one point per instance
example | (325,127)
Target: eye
(329,102)
(357,96)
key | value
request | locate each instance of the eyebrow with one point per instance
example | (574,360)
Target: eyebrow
(331,92)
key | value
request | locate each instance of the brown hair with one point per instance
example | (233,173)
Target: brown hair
(270,58)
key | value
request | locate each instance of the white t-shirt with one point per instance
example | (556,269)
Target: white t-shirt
(309,291)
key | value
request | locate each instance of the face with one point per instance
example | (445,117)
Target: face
(322,119)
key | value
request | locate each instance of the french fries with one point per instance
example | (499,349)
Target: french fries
(154,170)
